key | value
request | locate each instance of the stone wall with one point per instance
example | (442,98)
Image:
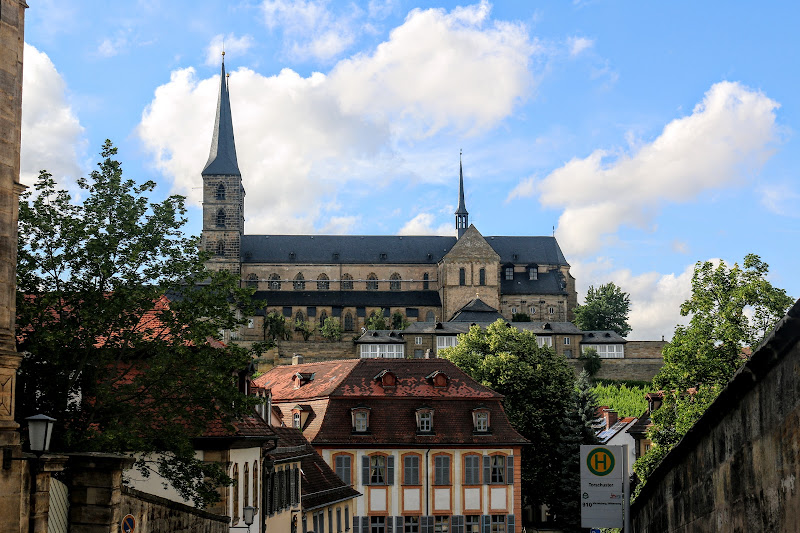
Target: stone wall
(155,515)
(738,468)
(311,352)
(644,349)
(638,369)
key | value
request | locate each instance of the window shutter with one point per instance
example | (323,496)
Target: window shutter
(322,522)
(510,470)
(346,518)
(305,525)
(389,523)
(356,525)
(486,524)
(510,524)
(390,470)
(426,524)
(365,470)
(364,524)
(398,523)
(291,487)
(487,469)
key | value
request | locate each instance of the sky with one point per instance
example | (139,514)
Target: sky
(646,136)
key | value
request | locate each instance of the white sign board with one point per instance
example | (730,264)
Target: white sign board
(602,483)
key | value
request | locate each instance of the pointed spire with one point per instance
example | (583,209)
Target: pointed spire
(222,157)
(462,210)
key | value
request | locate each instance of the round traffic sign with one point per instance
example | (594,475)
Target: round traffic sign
(128,524)
(600,461)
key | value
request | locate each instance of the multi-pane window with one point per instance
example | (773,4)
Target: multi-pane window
(377,470)
(221,218)
(425,278)
(377,524)
(296,420)
(372,282)
(509,271)
(220,192)
(498,524)
(532,310)
(446,341)
(347,282)
(274,282)
(472,470)
(425,421)
(462,276)
(566,341)
(482,422)
(441,470)
(394,282)
(411,470)
(533,273)
(348,322)
(299,282)
(361,421)
(417,340)
(544,341)
(386,351)
(482,276)
(472,524)
(607,351)
(411,524)
(322,282)
(441,524)
(498,469)
(342,464)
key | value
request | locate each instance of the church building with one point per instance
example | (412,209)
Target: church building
(424,278)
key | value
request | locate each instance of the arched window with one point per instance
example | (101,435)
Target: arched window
(246,485)
(372,282)
(221,218)
(482,276)
(235,489)
(322,282)
(394,282)
(348,322)
(347,282)
(462,276)
(252,281)
(299,317)
(425,281)
(220,192)
(220,247)
(256,475)
(274,282)
(323,316)
(430,317)
(299,282)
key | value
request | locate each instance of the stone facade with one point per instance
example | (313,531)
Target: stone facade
(155,515)
(635,369)
(737,467)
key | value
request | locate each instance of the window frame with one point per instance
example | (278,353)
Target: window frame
(508,273)
(497,469)
(361,420)
(412,457)
(442,473)
(462,276)
(475,471)
(378,469)
(347,458)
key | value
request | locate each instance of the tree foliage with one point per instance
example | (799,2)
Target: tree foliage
(399,321)
(376,320)
(275,328)
(731,308)
(116,319)
(332,329)
(606,308)
(591,361)
(537,385)
(305,328)
(624,399)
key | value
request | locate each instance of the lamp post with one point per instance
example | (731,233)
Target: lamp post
(40,429)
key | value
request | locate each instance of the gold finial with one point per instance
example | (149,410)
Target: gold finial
(223,53)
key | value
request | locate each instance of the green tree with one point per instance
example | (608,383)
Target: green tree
(731,308)
(606,308)
(520,317)
(305,328)
(117,321)
(576,429)
(332,329)
(275,329)
(537,385)
(376,320)
(399,321)
(591,361)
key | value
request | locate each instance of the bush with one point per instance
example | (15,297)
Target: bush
(520,317)
(591,361)
(305,329)
(332,329)
(624,399)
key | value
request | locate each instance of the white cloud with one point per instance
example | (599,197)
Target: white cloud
(578,44)
(230,43)
(780,198)
(303,140)
(655,298)
(422,224)
(310,29)
(728,136)
(52,136)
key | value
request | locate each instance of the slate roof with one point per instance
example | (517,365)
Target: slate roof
(349,298)
(222,156)
(602,337)
(476,311)
(547,283)
(244,432)
(397,249)
(453,328)
(381,336)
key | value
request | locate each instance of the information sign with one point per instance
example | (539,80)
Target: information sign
(602,486)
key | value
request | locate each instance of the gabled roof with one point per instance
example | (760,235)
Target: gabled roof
(381,336)
(476,311)
(602,337)
(222,156)
(328,375)
(454,328)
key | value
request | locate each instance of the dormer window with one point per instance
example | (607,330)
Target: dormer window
(387,379)
(480,420)
(438,379)
(300,416)
(360,417)
(296,419)
(425,420)
(533,272)
(509,273)
(301,378)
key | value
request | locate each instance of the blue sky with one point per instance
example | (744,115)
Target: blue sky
(650,136)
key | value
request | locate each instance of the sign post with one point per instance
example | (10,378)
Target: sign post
(603,491)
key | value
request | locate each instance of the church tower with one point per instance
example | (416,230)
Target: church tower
(462,216)
(223,193)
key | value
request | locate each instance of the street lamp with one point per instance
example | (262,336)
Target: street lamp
(40,429)
(249,514)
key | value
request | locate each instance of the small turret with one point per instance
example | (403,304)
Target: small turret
(462,216)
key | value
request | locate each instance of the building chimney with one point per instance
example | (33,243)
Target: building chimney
(297,359)
(610,417)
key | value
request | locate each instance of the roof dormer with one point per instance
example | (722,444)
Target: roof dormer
(301,378)
(438,379)
(300,415)
(387,379)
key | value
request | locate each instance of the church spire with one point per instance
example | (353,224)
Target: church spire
(462,216)
(222,157)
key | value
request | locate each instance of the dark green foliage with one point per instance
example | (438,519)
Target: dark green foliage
(305,328)
(332,329)
(275,328)
(399,321)
(591,361)
(606,308)
(521,317)
(376,320)
(731,308)
(538,388)
(624,399)
(117,317)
